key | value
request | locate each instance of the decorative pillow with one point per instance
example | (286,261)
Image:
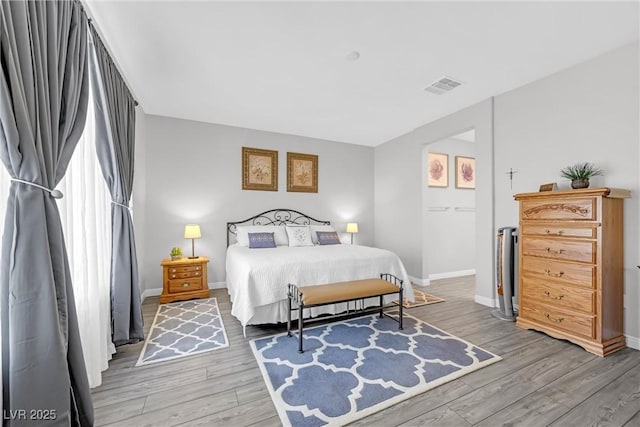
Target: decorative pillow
(316,228)
(261,240)
(299,235)
(328,238)
(279,233)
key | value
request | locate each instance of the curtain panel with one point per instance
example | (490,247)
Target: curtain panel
(115,146)
(43,104)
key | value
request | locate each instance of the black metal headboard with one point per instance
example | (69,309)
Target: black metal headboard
(275,217)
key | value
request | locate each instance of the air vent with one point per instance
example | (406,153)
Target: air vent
(443,85)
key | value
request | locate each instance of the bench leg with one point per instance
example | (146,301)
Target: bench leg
(401,301)
(300,326)
(381,307)
(289,316)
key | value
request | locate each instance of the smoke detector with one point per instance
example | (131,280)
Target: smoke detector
(443,85)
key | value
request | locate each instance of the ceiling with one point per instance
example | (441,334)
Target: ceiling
(288,67)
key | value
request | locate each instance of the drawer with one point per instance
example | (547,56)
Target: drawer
(185,285)
(575,209)
(559,295)
(556,271)
(560,249)
(533,229)
(185,269)
(184,275)
(582,324)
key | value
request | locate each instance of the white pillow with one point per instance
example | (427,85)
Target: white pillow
(279,234)
(314,228)
(299,235)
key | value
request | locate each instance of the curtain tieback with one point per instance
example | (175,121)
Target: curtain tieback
(56,194)
(120,204)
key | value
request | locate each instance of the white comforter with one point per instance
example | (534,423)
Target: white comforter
(259,277)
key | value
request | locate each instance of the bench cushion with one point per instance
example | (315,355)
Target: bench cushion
(344,291)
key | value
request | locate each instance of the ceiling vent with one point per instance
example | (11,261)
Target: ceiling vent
(443,85)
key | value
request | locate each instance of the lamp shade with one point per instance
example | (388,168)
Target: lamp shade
(352,227)
(192,231)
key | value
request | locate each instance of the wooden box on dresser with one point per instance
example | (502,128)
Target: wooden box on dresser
(571,266)
(184,278)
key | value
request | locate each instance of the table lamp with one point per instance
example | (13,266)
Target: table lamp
(352,227)
(192,231)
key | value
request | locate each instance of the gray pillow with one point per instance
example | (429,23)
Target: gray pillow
(261,240)
(328,238)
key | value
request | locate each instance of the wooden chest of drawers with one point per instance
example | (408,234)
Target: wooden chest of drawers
(184,279)
(571,266)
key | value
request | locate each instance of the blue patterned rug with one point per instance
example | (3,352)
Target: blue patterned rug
(183,329)
(356,367)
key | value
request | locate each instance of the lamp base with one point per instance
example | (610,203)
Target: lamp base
(193,257)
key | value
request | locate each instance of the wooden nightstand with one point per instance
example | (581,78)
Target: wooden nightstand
(184,279)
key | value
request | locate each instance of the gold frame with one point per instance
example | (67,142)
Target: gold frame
(444,159)
(298,183)
(268,162)
(460,181)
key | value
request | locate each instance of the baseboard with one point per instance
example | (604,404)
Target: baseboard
(489,302)
(151,293)
(632,342)
(419,282)
(154,292)
(450,274)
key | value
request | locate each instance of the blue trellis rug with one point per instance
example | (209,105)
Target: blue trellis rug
(183,329)
(356,367)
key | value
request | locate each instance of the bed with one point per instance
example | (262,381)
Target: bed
(257,278)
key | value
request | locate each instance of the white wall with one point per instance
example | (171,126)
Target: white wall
(193,174)
(448,217)
(139,193)
(399,201)
(586,113)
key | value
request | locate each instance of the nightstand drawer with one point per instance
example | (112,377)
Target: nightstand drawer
(559,295)
(584,209)
(185,269)
(184,275)
(560,249)
(185,285)
(552,270)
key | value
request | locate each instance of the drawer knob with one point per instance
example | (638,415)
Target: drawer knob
(557,320)
(558,274)
(185,285)
(173,275)
(559,232)
(197,268)
(173,270)
(559,297)
(558,251)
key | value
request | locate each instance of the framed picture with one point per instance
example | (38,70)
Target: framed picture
(259,169)
(437,170)
(302,173)
(552,186)
(465,172)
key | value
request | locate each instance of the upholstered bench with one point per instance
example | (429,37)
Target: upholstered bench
(334,293)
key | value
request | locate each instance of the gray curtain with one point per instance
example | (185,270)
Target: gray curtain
(115,145)
(43,105)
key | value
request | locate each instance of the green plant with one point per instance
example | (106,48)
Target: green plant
(176,251)
(580,171)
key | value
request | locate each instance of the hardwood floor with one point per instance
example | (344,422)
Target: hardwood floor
(541,381)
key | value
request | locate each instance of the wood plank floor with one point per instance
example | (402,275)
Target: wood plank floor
(541,381)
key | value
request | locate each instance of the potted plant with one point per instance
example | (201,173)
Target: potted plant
(176,253)
(580,173)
